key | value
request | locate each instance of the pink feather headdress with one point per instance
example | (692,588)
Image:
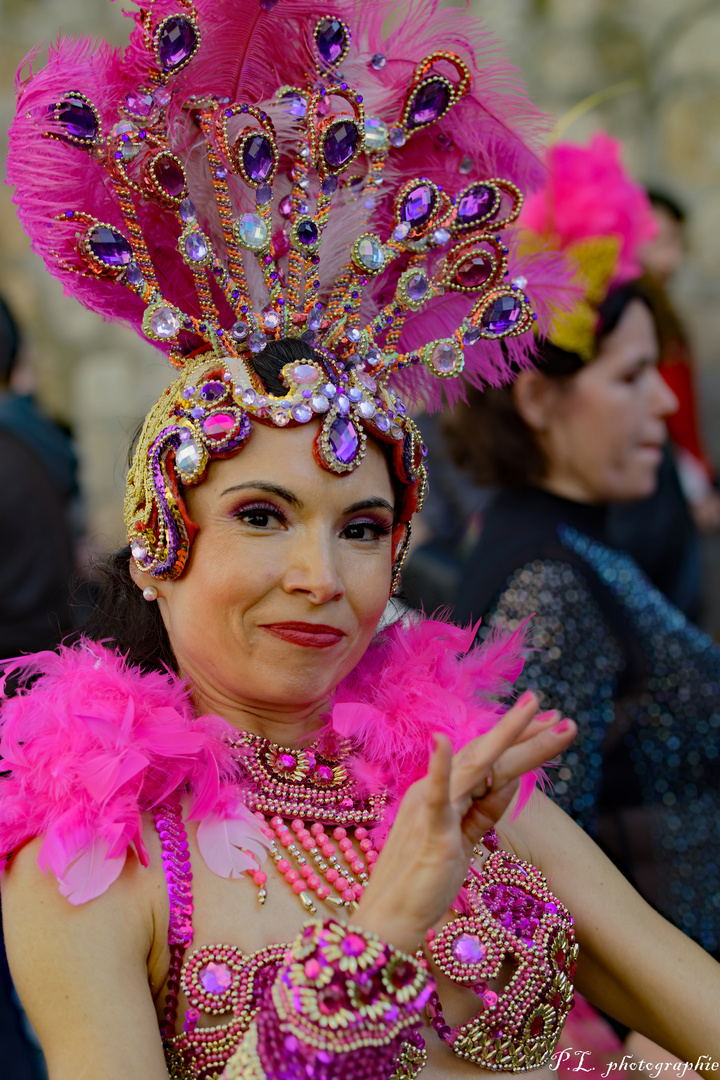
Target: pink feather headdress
(247,171)
(595,213)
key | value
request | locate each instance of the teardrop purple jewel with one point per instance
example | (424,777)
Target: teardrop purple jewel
(418,206)
(479,203)
(502,316)
(332,40)
(341,142)
(344,440)
(176,42)
(431,101)
(170,176)
(258,158)
(77,118)
(109,247)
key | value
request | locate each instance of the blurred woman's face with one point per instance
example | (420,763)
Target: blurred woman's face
(288,576)
(602,431)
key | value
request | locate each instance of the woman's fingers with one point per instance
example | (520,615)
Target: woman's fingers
(530,754)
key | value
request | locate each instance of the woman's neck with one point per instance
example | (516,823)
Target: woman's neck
(283,726)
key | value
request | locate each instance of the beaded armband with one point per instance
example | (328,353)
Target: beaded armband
(343,989)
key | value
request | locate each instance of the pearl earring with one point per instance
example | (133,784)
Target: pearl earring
(150,593)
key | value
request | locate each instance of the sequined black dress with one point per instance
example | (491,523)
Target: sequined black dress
(642,682)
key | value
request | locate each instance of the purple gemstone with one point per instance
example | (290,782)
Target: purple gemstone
(77,117)
(503,316)
(140,103)
(417,287)
(469,949)
(331,39)
(307,232)
(418,205)
(109,247)
(176,42)
(341,142)
(343,439)
(212,391)
(258,158)
(431,101)
(475,271)
(215,978)
(169,176)
(479,203)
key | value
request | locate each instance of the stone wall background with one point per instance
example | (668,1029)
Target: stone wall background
(657,60)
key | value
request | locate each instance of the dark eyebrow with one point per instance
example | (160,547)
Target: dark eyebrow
(265,485)
(370,504)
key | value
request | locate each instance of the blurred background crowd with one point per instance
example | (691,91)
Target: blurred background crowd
(645,71)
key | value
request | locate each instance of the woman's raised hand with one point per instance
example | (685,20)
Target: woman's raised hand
(424,862)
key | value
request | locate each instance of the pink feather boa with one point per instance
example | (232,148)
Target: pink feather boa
(94,743)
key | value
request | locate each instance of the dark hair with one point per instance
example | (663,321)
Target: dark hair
(490,439)
(9,343)
(122,617)
(664,201)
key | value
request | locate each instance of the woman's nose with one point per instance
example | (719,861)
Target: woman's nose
(313,568)
(664,401)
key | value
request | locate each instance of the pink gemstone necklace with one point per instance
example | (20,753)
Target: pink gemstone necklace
(331,859)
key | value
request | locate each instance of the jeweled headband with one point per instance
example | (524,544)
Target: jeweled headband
(250,171)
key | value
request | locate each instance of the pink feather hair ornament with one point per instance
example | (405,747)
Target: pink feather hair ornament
(245,172)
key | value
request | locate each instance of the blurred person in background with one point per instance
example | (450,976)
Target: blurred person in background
(583,430)
(662,258)
(40,495)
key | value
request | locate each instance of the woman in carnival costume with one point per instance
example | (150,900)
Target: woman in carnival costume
(587,428)
(282,863)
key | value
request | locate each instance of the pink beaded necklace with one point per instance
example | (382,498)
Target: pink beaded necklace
(324,861)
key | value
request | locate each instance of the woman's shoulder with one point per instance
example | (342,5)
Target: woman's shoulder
(88,745)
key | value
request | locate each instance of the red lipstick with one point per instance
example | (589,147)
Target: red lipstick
(311,635)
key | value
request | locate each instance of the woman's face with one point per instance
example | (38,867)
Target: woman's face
(602,431)
(288,576)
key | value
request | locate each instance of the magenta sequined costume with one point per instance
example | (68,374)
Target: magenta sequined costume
(93,744)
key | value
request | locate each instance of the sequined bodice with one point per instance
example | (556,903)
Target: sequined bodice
(511,917)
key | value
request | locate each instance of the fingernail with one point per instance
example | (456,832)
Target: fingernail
(562,727)
(527,697)
(546,717)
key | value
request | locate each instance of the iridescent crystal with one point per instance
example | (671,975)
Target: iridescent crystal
(134,275)
(331,39)
(330,185)
(196,247)
(378,61)
(138,550)
(370,253)
(367,380)
(251,231)
(301,412)
(280,417)
(305,374)
(503,315)
(431,101)
(139,102)
(270,318)
(343,404)
(444,357)
(367,410)
(212,391)
(471,335)
(343,439)
(239,331)
(126,148)
(381,422)
(377,134)
(314,319)
(249,397)
(398,137)
(263,195)
(401,232)
(320,403)
(188,457)
(258,158)
(164,322)
(109,246)
(341,142)
(176,42)
(257,342)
